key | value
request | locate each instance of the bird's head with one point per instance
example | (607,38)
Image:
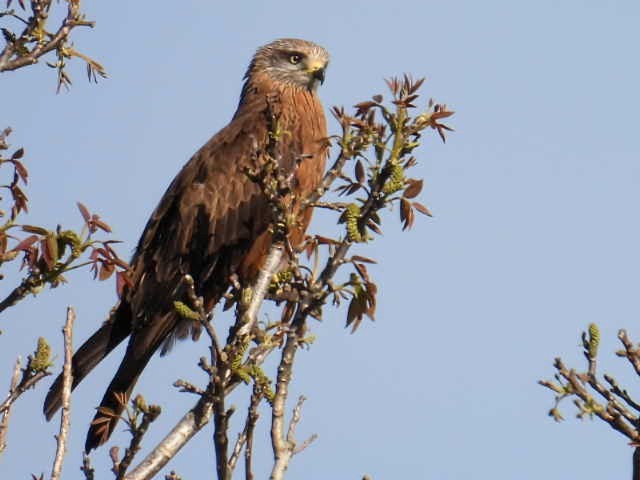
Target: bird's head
(292,61)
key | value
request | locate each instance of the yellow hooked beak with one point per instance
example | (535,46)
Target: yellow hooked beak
(316,70)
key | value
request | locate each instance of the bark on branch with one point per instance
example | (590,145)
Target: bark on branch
(67,379)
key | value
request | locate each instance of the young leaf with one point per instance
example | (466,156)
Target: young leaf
(84,212)
(414,188)
(422,209)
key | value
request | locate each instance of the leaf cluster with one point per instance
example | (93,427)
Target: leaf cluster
(46,255)
(597,398)
(24,46)
(378,141)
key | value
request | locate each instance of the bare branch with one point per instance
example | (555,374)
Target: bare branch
(16,54)
(86,468)
(31,375)
(252,420)
(284,447)
(221,427)
(6,412)
(270,267)
(67,380)
(245,437)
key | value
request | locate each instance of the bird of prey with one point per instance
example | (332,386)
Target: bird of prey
(213,221)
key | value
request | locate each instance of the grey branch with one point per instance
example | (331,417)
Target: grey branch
(28,381)
(41,10)
(270,267)
(67,379)
(6,412)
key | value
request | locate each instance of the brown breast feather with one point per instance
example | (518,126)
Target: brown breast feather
(212,220)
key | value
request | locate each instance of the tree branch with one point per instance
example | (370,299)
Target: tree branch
(67,379)
(41,13)
(6,412)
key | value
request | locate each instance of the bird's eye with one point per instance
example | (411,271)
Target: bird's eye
(295,58)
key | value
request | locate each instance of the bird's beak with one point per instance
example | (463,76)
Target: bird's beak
(316,70)
(318,74)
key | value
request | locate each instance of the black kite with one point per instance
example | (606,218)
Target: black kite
(212,221)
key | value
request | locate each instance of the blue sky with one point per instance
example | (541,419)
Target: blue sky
(535,232)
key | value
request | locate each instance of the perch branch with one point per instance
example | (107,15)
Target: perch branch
(67,379)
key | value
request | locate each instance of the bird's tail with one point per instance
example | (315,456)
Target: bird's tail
(97,347)
(142,345)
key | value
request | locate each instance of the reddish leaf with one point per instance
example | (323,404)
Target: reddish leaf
(35,229)
(414,188)
(106,270)
(85,213)
(411,98)
(100,224)
(49,249)
(19,199)
(353,188)
(372,291)
(371,224)
(121,263)
(362,271)
(358,258)
(416,85)
(363,107)
(422,209)
(406,214)
(410,162)
(122,281)
(355,312)
(325,240)
(26,243)
(17,154)
(22,171)
(359,169)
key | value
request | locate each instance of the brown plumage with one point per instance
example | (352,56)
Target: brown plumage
(212,221)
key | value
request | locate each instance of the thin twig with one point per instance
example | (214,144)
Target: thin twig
(6,413)
(221,427)
(631,353)
(29,379)
(71,21)
(620,392)
(86,468)
(246,435)
(291,433)
(67,380)
(282,446)
(252,420)
(237,449)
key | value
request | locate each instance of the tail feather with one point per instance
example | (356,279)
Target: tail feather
(142,345)
(114,401)
(97,347)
